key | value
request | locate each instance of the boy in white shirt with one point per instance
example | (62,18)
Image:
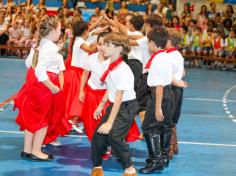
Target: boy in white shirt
(157,120)
(177,61)
(121,113)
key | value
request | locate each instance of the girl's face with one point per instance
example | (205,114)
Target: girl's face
(27,23)
(100,45)
(175,21)
(56,32)
(186,7)
(149,6)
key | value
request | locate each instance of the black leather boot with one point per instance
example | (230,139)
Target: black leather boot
(165,146)
(155,162)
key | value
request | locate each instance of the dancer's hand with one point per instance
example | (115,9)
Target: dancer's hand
(159,115)
(81,96)
(105,128)
(183,84)
(98,113)
(55,89)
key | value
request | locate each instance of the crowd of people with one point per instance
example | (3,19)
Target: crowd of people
(212,32)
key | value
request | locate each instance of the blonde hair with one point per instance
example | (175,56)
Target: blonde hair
(118,40)
(47,24)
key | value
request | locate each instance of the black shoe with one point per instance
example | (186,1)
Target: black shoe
(24,155)
(166,162)
(152,167)
(32,157)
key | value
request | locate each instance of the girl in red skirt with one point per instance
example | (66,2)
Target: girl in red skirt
(80,53)
(95,66)
(40,101)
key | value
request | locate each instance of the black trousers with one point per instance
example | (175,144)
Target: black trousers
(116,136)
(140,83)
(178,98)
(150,124)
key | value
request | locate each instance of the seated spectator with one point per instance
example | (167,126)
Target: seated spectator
(186,12)
(207,47)
(186,41)
(149,10)
(197,41)
(26,34)
(230,45)
(14,34)
(218,43)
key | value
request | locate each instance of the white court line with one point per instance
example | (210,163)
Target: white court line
(212,100)
(203,115)
(180,142)
(208,144)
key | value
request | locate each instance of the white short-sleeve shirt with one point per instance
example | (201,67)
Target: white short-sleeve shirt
(143,43)
(79,56)
(177,62)
(121,78)
(136,51)
(48,60)
(160,72)
(97,69)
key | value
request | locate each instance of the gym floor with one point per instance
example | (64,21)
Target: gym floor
(206,132)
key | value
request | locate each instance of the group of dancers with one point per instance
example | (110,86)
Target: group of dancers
(104,85)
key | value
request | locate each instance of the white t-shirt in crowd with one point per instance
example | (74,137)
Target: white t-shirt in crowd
(97,69)
(79,56)
(177,62)
(160,72)
(121,78)
(143,43)
(136,51)
(48,60)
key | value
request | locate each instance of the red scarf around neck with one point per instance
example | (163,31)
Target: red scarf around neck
(110,68)
(170,50)
(152,57)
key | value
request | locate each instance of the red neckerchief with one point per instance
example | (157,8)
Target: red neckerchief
(170,50)
(152,57)
(110,68)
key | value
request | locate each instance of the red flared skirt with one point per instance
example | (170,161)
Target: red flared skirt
(72,81)
(39,108)
(92,99)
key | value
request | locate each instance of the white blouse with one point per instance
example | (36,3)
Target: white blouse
(49,60)
(79,56)
(97,69)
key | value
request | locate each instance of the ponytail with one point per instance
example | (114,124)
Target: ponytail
(36,54)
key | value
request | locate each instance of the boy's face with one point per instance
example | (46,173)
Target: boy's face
(231,34)
(209,33)
(152,46)
(109,49)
